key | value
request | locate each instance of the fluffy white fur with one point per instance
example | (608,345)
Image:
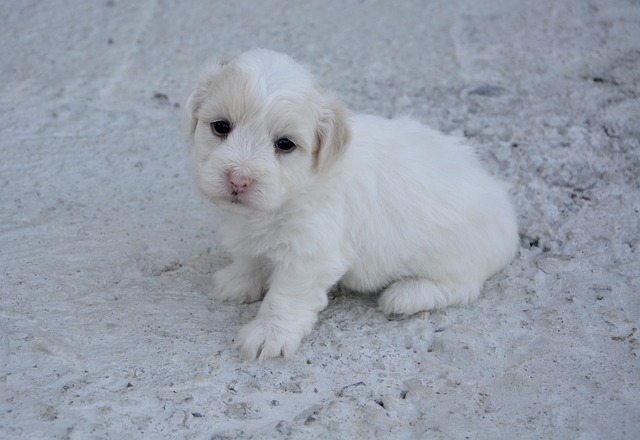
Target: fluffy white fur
(377,204)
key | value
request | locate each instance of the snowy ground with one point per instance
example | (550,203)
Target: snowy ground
(106,249)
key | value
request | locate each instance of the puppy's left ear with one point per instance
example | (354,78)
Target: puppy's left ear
(333,133)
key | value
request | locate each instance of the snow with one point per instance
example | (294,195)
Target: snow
(107,250)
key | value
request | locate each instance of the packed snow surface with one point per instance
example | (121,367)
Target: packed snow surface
(107,328)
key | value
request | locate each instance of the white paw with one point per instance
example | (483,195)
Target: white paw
(264,339)
(413,295)
(235,283)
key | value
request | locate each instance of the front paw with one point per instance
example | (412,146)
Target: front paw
(237,284)
(264,339)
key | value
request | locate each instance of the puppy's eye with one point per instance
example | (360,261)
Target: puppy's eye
(284,145)
(220,128)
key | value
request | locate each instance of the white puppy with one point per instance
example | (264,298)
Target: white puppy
(309,195)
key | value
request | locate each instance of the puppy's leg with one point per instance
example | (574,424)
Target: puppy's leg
(243,281)
(298,292)
(413,295)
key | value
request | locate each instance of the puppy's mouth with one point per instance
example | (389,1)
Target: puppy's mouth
(231,203)
(235,198)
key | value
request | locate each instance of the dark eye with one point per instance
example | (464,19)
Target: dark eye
(220,128)
(284,145)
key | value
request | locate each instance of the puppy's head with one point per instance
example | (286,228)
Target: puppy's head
(262,131)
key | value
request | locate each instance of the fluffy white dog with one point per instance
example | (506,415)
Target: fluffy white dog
(309,195)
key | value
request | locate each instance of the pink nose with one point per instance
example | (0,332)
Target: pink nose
(239,184)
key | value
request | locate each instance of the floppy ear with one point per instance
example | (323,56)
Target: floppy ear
(333,134)
(196,98)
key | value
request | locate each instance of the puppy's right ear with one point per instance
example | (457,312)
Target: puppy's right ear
(196,98)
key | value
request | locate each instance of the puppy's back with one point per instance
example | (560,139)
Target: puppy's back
(433,198)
